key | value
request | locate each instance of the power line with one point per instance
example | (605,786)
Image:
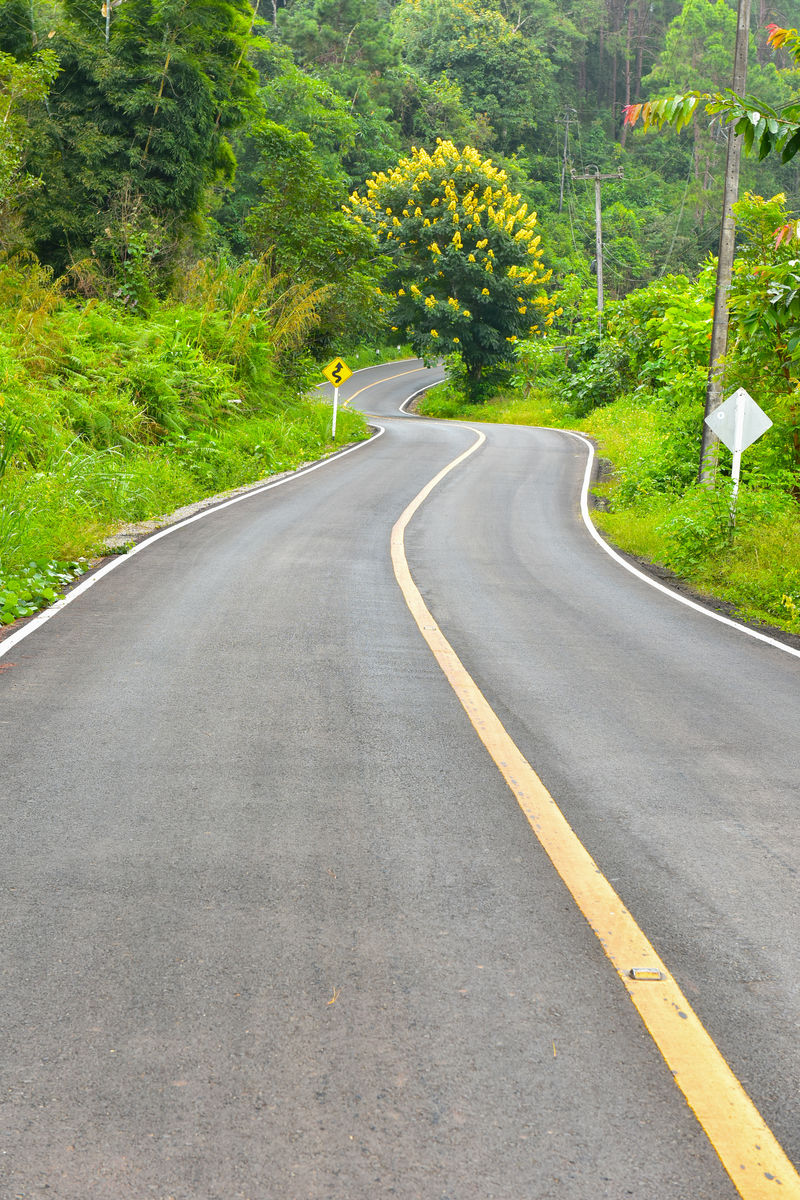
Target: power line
(677,223)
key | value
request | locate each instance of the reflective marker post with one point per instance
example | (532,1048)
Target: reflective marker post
(336,372)
(738,423)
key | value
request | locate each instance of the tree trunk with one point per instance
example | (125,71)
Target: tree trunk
(628,56)
(644,12)
(719,333)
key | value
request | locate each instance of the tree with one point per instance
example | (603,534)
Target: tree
(764,128)
(500,72)
(344,41)
(466,274)
(20,84)
(697,56)
(138,122)
(300,230)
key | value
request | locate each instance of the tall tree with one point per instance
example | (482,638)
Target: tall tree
(21,83)
(467,275)
(501,73)
(137,123)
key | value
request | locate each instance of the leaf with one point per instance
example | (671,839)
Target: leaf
(791,148)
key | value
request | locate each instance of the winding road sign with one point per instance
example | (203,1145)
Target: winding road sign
(337,372)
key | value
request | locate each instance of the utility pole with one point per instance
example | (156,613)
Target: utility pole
(719,330)
(593,173)
(568,114)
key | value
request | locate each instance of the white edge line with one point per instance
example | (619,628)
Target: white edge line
(403,407)
(706,612)
(37,622)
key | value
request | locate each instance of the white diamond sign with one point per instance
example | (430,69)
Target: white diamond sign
(739,421)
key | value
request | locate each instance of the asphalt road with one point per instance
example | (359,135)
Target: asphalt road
(274,928)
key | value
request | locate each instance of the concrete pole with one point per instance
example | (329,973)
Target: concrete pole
(598,243)
(593,173)
(709,446)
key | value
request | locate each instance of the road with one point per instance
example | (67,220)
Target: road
(274,925)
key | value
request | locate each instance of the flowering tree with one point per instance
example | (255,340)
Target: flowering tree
(467,274)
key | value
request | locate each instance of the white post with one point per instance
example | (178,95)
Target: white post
(335,407)
(738,438)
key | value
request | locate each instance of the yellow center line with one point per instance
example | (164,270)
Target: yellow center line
(746,1146)
(383,379)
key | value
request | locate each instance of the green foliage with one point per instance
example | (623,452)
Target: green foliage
(502,72)
(108,415)
(299,225)
(35,586)
(138,119)
(427,109)
(21,84)
(766,125)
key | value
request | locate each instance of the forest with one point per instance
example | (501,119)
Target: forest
(193,217)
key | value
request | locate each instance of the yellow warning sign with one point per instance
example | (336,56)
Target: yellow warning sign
(337,372)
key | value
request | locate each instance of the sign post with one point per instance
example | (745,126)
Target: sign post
(337,373)
(738,423)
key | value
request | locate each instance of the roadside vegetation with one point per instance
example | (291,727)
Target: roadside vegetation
(639,392)
(109,416)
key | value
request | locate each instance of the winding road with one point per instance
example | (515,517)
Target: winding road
(276,927)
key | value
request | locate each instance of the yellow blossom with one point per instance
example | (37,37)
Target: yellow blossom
(485,292)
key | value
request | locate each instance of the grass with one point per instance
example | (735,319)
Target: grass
(109,417)
(538,408)
(371,356)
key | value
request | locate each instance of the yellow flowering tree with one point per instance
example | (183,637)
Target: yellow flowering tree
(467,276)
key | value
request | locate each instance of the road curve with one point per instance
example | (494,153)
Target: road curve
(274,925)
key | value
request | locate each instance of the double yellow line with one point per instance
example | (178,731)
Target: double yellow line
(746,1146)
